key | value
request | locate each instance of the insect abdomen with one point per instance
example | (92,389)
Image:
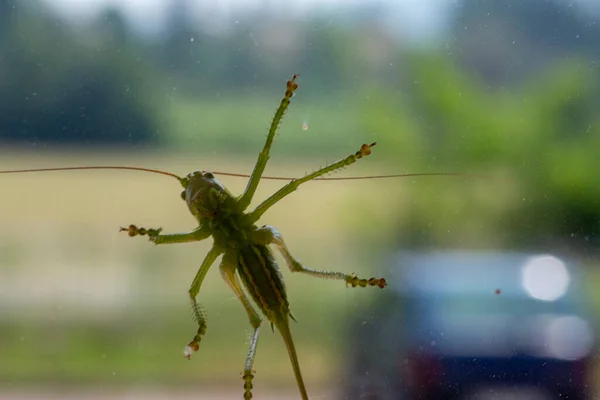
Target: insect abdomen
(262,278)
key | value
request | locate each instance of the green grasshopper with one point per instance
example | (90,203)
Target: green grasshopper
(243,247)
(246,259)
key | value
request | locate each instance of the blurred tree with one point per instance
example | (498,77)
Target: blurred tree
(324,53)
(541,137)
(566,206)
(507,41)
(112,28)
(247,52)
(179,37)
(57,86)
(6,13)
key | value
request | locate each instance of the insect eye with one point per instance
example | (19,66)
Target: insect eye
(209,175)
(183,195)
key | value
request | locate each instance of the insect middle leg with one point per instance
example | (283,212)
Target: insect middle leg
(228,272)
(255,215)
(197,309)
(269,235)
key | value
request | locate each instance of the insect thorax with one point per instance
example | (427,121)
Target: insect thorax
(215,208)
(205,196)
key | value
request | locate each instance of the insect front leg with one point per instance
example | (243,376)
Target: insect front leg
(228,272)
(154,235)
(263,156)
(198,310)
(269,235)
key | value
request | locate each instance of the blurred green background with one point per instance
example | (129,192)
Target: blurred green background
(504,88)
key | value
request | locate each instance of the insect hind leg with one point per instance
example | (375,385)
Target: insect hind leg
(269,235)
(228,272)
(200,317)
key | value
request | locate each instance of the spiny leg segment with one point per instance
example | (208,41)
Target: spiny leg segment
(364,151)
(269,235)
(198,310)
(228,272)
(263,156)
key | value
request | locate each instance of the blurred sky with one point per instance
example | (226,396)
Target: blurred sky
(413,18)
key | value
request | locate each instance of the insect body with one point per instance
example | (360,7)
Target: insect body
(246,259)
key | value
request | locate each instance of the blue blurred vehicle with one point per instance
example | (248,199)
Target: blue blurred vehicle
(474,325)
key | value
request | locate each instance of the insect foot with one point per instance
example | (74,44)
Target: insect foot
(291,87)
(248,376)
(133,230)
(356,281)
(192,347)
(365,150)
(200,317)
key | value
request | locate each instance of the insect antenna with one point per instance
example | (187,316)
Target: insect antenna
(154,171)
(233,174)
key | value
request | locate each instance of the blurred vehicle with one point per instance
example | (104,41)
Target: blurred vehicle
(474,325)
